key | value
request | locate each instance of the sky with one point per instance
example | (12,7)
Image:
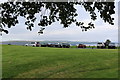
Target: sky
(101,32)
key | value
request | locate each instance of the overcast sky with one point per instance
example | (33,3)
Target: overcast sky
(56,31)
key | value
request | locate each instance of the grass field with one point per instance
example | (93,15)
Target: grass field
(38,62)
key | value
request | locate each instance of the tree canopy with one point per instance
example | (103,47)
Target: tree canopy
(107,42)
(65,12)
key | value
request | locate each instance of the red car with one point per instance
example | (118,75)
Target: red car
(81,46)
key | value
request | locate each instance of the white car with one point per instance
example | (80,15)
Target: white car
(100,45)
(34,44)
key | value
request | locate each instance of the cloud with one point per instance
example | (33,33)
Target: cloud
(53,32)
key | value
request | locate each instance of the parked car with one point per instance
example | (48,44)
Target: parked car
(100,45)
(44,44)
(111,46)
(65,45)
(9,44)
(34,44)
(81,46)
(50,44)
(58,45)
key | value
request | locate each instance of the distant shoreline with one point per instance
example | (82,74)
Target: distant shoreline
(73,43)
(51,41)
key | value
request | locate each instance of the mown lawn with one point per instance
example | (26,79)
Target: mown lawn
(39,62)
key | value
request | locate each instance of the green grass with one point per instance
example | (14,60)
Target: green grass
(38,62)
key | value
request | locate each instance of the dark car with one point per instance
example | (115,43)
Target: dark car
(111,46)
(100,45)
(43,44)
(50,44)
(58,45)
(65,45)
(81,46)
